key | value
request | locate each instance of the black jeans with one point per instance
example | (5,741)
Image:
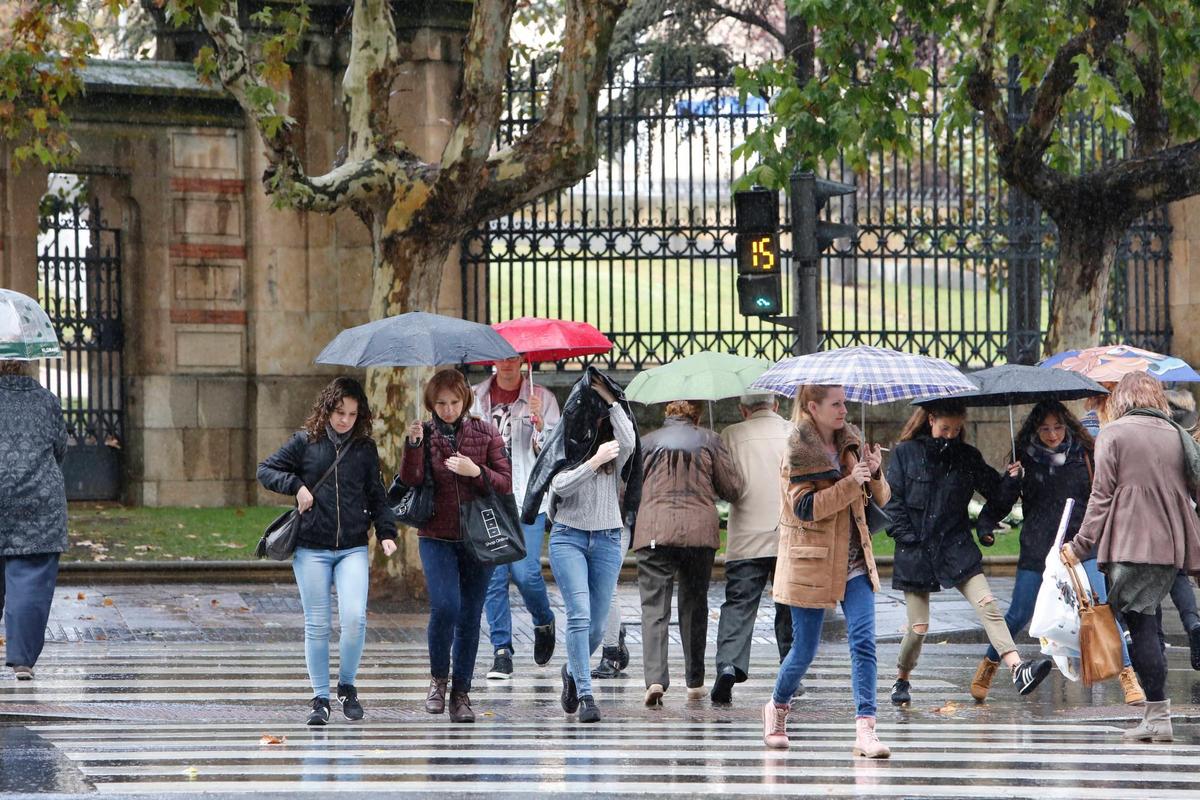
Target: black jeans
(745,580)
(1146,653)
(1184,599)
(657,570)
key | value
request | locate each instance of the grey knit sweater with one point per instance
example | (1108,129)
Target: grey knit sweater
(586,499)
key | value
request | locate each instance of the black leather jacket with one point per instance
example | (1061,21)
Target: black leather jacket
(575,439)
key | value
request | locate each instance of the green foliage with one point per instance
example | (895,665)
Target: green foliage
(870,74)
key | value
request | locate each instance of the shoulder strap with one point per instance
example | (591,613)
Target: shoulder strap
(345,449)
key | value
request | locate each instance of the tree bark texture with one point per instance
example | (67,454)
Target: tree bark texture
(418,211)
(1087,254)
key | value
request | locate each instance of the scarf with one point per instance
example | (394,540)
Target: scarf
(449,430)
(338,439)
(1053,458)
(1191,450)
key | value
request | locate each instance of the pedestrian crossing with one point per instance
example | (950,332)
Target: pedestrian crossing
(166,719)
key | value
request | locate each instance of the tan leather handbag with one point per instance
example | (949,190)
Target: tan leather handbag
(1099,636)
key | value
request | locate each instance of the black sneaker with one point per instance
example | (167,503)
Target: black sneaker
(622,650)
(569,698)
(1029,674)
(722,691)
(347,695)
(608,664)
(543,643)
(588,712)
(1194,643)
(320,711)
(501,666)
(900,692)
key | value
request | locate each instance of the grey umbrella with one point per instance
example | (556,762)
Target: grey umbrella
(1017,384)
(416,339)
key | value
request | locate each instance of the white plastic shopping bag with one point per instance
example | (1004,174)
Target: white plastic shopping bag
(1056,614)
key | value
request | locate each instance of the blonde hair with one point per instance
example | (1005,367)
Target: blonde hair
(809,393)
(1136,390)
(685,408)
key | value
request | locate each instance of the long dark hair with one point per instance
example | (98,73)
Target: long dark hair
(1037,416)
(327,402)
(918,423)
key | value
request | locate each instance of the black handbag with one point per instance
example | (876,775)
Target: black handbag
(413,505)
(491,527)
(279,540)
(877,519)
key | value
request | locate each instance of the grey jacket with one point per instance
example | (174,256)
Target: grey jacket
(524,440)
(33,442)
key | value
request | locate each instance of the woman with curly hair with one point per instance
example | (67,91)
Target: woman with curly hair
(1055,463)
(331,546)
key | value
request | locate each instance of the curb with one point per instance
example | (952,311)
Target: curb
(267,571)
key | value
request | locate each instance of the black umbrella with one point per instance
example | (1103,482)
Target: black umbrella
(416,339)
(1017,384)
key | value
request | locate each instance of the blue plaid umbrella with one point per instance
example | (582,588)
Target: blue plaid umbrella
(870,375)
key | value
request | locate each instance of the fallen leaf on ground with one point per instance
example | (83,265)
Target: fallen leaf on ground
(240,512)
(1,640)
(191,772)
(268,738)
(108,601)
(214,602)
(191,536)
(231,545)
(179,525)
(944,641)
(100,557)
(243,609)
(947,710)
(81,596)
(89,616)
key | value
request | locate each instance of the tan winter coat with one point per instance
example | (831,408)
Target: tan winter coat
(814,525)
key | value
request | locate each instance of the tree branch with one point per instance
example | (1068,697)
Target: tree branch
(561,148)
(486,55)
(1139,185)
(368,79)
(1150,125)
(982,90)
(746,17)
(357,181)
(1107,21)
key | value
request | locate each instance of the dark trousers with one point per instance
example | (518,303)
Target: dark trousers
(657,570)
(1146,653)
(1184,599)
(457,584)
(745,580)
(31,580)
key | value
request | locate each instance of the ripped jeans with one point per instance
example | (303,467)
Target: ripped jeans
(976,590)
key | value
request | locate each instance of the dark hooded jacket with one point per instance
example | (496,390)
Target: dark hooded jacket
(575,439)
(1044,490)
(933,481)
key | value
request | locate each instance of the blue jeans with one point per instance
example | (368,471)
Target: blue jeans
(457,583)
(527,575)
(858,606)
(1024,598)
(586,565)
(315,571)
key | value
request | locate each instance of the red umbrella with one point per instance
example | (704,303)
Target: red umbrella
(539,339)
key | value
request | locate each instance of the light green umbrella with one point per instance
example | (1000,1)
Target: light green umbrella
(703,376)
(25,331)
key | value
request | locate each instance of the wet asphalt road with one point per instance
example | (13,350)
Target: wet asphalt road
(174,698)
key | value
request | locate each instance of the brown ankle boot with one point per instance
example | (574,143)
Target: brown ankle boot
(982,681)
(1134,695)
(460,707)
(435,701)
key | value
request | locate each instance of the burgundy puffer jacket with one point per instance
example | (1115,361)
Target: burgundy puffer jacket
(478,441)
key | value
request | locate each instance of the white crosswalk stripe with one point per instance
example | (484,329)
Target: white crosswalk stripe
(522,744)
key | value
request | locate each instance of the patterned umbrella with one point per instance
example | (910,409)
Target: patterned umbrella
(25,331)
(1110,363)
(870,375)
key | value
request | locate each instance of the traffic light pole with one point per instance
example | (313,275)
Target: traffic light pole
(806,260)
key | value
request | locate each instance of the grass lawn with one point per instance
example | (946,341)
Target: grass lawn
(110,532)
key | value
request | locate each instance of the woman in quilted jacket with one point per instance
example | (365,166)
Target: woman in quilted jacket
(33,511)
(466,456)
(336,514)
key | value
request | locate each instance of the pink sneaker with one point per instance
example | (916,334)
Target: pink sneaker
(775,726)
(866,743)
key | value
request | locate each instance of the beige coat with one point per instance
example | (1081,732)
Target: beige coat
(757,446)
(685,470)
(1140,510)
(814,553)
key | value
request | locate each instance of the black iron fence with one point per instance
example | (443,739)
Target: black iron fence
(79,272)
(947,261)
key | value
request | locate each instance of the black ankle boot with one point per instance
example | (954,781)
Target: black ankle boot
(608,667)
